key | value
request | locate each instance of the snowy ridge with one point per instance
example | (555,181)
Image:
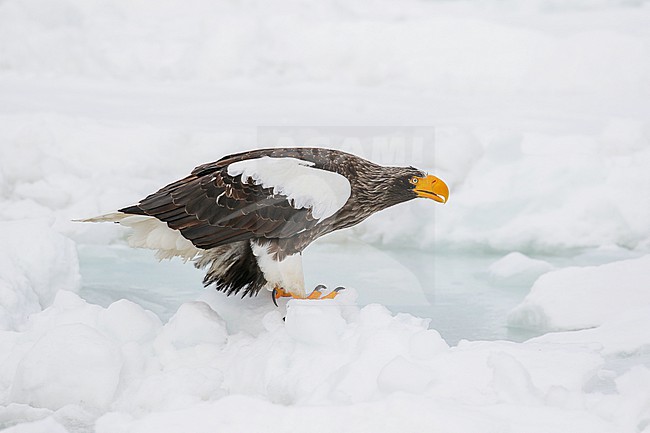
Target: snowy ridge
(322,191)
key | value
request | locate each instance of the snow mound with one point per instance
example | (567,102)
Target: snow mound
(118,369)
(79,357)
(518,266)
(47,425)
(35,263)
(71,364)
(621,336)
(578,298)
(551,192)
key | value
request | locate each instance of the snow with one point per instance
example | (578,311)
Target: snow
(71,364)
(195,319)
(517,266)
(538,116)
(298,181)
(327,357)
(601,293)
(82,367)
(36,263)
(119,368)
(618,336)
(47,425)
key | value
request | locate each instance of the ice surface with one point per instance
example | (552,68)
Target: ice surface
(453,290)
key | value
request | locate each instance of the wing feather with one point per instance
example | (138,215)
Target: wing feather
(212,208)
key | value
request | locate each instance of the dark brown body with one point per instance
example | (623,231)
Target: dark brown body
(223,214)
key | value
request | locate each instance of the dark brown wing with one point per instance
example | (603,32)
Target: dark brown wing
(212,208)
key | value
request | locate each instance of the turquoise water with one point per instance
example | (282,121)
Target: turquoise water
(454,290)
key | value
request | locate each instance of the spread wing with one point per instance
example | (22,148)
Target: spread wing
(264,198)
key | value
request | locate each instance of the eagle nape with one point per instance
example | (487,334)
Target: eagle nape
(248,217)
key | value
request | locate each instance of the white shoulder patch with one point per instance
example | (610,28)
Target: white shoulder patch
(322,191)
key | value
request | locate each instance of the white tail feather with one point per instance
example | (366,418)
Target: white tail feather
(114,217)
(151,233)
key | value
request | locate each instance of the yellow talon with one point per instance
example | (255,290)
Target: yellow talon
(334,293)
(316,294)
(279,292)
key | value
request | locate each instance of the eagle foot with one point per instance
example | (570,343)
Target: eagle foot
(317,294)
(331,295)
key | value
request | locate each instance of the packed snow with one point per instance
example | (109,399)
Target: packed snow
(35,264)
(535,113)
(517,266)
(608,290)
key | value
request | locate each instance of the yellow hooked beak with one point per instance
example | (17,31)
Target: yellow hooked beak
(431,187)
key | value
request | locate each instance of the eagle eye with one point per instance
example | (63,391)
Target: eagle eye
(414,180)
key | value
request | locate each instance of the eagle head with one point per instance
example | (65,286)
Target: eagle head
(429,186)
(407,183)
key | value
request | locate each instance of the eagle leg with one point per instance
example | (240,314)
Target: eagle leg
(279,292)
(317,294)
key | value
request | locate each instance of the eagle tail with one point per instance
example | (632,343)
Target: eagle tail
(113,217)
(150,233)
(232,268)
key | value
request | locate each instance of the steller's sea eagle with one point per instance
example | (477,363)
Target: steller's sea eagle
(248,217)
